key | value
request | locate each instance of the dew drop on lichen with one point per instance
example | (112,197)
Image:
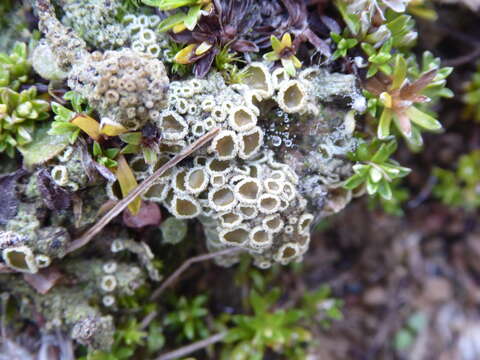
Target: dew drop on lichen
(276,141)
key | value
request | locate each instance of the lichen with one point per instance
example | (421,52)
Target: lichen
(173,230)
(238,170)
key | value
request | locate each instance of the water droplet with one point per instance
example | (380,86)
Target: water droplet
(276,141)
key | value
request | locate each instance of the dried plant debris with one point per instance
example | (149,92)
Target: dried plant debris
(8,195)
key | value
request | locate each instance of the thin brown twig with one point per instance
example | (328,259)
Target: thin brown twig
(169,281)
(147,320)
(424,193)
(185,350)
(138,191)
(464,59)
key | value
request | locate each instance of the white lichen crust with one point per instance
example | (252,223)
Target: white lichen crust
(241,193)
(125,86)
(280,146)
(96,21)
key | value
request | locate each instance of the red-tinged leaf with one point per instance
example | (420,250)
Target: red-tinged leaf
(202,66)
(184,37)
(44,280)
(244,46)
(409,91)
(376,86)
(149,215)
(403,123)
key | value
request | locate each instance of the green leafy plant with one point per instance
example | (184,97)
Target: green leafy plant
(436,88)
(459,188)
(19,112)
(375,169)
(188,318)
(63,118)
(137,143)
(381,38)
(472,96)
(226,62)
(379,59)
(176,68)
(343,45)
(390,24)
(394,97)
(106,157)
(14,67)
(401,28)
(423,9)
(393,206)
(284,51)
(131,5)
(180,20)
(129,339)
(277,330)
(131,333)
(319,306)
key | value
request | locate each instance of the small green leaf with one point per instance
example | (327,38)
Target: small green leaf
(276,44)
(112,153)
(192,17)
(354,181)
(383,130)
(171,21)
(289,67)
(403,339)
(362,153)
(271,56)
(155,339)
(133,138)
(375,174)
(258,303)
(131,149)
(166,5)
(399,73)
(189,330)
(371,187)
(384,152)
(336,37)
(423,120)
(97,149)
(150,156)
(384,190)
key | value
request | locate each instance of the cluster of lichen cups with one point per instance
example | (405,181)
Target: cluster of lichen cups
(235,183)
(237,187)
